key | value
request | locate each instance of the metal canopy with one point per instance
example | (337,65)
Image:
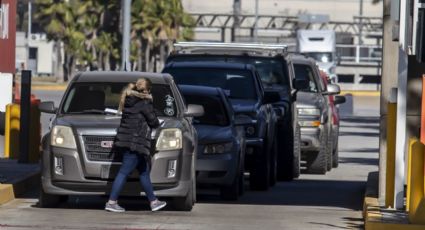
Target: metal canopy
(285,23)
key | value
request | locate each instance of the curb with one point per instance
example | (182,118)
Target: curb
(377,217)
(16,189)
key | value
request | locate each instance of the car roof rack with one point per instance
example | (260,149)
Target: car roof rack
(202,47)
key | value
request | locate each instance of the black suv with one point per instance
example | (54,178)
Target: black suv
(243,86)
(276,75)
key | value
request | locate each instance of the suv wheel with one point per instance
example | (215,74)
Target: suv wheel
(329,151)
(273,163)
(231,192)
(288,159)
(185,203)
(46,200)
(259,178)
(317,163)
(297,153)
(335,157)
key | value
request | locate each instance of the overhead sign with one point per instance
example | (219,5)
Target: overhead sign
(7,35)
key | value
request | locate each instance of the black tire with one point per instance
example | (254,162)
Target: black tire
(242,184)
(289,153)
(185,203)
(231,192)
(317,161)
(46,200)
(297,154)
(335,157)
(329,150)
(242,178)
(259,176)
(273,163)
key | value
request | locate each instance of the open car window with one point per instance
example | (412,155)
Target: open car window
(215,112)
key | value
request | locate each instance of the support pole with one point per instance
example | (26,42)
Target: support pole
(125,52)
(24,135)
(391,139)
(256,22)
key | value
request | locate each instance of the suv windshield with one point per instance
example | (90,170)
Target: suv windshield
(238,84)
(95,98)
(215,112)
(271,70)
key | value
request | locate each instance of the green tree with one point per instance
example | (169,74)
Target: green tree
(89,31)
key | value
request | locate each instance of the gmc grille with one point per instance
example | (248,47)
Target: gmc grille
(95,151)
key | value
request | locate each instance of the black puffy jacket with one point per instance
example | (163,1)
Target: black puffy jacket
(138,118)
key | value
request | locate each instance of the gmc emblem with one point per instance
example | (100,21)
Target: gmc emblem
(106,144)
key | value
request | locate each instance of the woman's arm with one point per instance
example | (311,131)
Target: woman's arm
(149,113)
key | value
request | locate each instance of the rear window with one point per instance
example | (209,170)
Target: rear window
(214,110)
(238,84)
(95,98)
(272,71)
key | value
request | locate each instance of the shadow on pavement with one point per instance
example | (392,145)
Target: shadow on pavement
(303,192)
(360,161)
(363,134)
(361,119)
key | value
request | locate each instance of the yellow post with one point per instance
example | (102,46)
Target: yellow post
(390,167)
(12,128)
(416,184)
(11,132)
(412,141)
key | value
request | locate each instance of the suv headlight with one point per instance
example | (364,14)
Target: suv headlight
(62,136)
(218,148)
(309,111)
(169,139)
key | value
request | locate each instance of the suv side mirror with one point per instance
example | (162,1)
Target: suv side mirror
(332,90)
(300,84)
(339,100)
(271,97)
(47,107)
(194,111)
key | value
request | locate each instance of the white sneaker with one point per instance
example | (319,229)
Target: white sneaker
(157,205)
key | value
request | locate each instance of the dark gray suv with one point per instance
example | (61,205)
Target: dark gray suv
(248,97)
(315,115)
(79,157)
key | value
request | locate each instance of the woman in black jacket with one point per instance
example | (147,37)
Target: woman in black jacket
(134,137)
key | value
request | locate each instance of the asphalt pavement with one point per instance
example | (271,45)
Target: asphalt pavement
(331,201)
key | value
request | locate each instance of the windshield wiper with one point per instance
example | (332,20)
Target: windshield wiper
(89,111)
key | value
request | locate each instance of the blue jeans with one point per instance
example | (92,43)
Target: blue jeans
(130,161)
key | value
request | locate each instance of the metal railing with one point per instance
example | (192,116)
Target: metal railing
(359,54)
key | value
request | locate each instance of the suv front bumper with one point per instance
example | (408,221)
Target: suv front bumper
(310,138)
(83,177)
(219,169)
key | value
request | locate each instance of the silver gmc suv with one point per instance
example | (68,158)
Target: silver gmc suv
(79,157)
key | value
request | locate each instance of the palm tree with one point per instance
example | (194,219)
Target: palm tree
(51,15)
